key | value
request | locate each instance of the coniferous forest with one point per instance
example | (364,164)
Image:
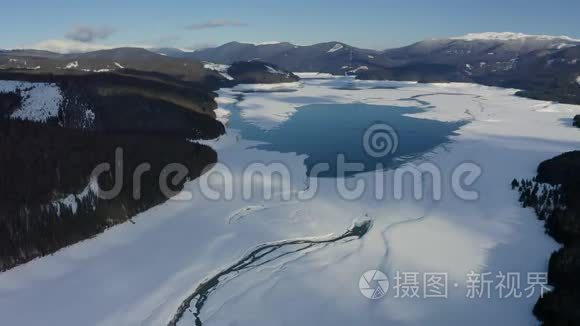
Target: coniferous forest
(45,173)
(554,195)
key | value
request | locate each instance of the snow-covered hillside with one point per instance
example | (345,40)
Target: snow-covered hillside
(140,274)
(43,102)
(222,69)
(40,101)
(336,47)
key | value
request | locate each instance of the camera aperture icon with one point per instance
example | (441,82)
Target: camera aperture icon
(374,284)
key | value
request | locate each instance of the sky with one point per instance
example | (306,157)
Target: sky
(194,24)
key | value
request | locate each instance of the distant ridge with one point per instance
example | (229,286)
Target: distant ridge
(545,67)
(509,36)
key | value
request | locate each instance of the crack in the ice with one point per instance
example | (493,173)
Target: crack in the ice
(251,261)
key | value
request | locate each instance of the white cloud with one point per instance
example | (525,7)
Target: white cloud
(71,46)
(89,34)
(216,24)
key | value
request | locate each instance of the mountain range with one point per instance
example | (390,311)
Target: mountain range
(338,57)
(545,67)
(185,69)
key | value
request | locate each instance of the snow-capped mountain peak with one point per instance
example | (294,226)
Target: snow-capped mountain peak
(267,43)
(263,43)
(509,36)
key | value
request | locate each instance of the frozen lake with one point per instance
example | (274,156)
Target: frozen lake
(323,131)
(144,273)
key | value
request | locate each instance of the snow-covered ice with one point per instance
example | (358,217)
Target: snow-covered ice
(279,87)
(138,274)
(314,75)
